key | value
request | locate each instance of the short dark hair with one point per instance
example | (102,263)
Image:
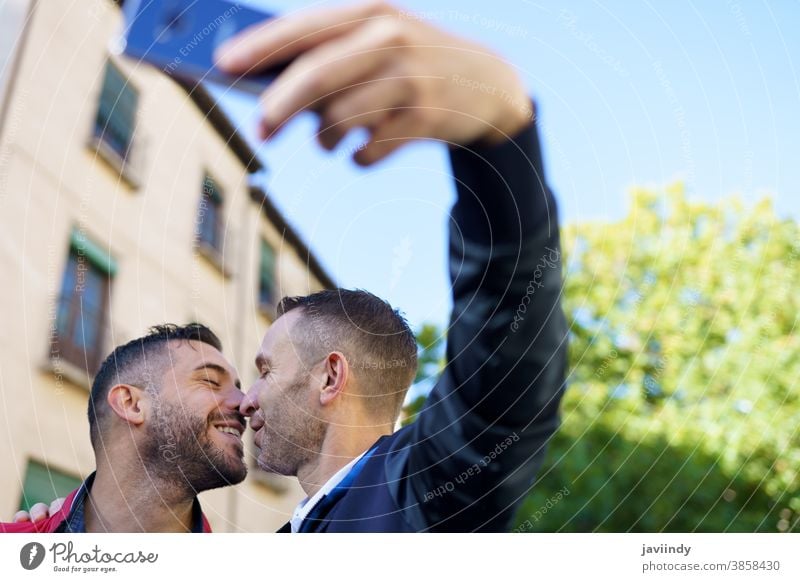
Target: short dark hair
(374,337)
(137,363)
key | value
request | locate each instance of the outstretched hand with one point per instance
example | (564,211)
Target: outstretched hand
(371,65)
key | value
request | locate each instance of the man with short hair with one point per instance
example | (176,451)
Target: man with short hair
(335,365)
(165,425)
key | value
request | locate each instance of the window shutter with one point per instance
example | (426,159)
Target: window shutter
(266,273)
(94,253)
(116,114)
(42,485)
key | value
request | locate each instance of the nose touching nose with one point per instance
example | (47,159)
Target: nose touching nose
(249,404)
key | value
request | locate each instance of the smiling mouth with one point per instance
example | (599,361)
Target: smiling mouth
(230,432)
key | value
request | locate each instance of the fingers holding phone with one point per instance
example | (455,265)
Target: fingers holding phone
(371,65)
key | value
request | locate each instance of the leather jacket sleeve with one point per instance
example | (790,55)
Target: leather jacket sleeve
(473,452)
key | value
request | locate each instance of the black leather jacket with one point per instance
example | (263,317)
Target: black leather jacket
(474,451)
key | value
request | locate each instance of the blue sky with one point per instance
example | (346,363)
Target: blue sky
(629,93)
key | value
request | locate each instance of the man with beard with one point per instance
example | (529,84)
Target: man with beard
(165,425)
(335,366)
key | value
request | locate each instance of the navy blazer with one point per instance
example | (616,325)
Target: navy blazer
(473,453)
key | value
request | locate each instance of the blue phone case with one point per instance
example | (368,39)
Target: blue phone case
(180,36)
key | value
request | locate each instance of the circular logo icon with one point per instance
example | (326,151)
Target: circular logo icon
(31,555)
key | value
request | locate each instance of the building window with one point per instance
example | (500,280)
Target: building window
(266,276)
(116,112)
(82,308)
(43,485)
(210,215)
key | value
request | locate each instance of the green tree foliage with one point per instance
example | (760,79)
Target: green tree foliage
(430,359)
(430,355)
(682,412)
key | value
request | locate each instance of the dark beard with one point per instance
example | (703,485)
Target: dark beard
(181,453)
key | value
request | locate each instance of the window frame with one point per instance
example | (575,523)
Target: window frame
(210,198)
(267,303)
(70,315)
(128,163)
(120,107)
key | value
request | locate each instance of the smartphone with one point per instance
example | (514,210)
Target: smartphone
(180,36)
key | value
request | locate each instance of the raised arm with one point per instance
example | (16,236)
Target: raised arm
(371,65)
(475,448)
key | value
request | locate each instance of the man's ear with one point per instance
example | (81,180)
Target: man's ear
(127,402)
(336,372)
